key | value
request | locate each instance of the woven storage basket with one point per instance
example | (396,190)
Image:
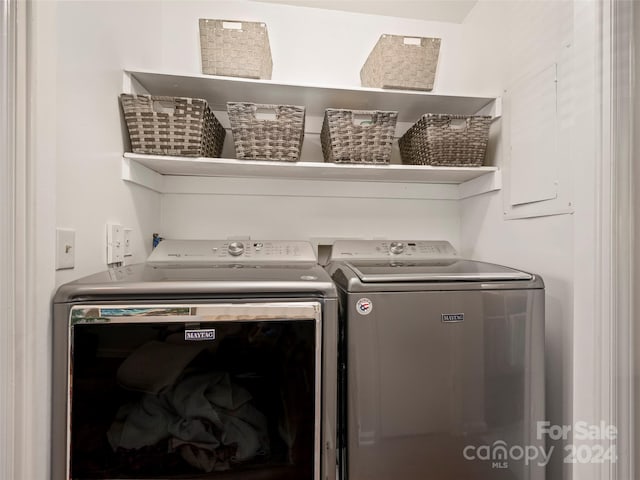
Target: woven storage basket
(345,140)
(172,126)
(276,139)
(235,48)
(402,62)
(446,140)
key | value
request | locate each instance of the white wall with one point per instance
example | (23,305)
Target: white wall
(508,41)
(308,45)
(273,217)
(95,40)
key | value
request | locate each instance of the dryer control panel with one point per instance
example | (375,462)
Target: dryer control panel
(232,251)
(394,249)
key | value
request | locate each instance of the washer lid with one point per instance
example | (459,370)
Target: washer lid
(433,271)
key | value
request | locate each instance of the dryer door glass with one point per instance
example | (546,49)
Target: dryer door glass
(203,391)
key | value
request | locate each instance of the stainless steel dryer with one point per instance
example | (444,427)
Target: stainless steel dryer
(215,359)
(442,363)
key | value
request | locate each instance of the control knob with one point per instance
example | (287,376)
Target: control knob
(396,247)
(236,249)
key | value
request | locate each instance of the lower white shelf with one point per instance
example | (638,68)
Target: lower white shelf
(158,173)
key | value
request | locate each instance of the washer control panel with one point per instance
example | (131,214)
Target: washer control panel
(235,251)
(383,249)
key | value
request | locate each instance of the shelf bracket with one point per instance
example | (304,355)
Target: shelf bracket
(483,184)
(493,109)
(133,172)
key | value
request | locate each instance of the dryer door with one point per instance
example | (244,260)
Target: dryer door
(190,391)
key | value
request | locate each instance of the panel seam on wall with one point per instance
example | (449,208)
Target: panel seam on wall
(7,234)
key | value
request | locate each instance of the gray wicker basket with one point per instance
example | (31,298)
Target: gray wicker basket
(278,138)
(345,139)
(446,140)
(407,63)
(172,126)
(235,48)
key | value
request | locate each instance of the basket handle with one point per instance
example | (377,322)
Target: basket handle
(412,41)
(232,25)
(362,119)
(459,124)
(266,114)
(164,106)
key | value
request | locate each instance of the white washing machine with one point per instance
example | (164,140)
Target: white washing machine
(215,359)
(442,364)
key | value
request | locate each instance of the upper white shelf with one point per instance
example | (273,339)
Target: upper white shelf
(224,167)
(410,105)
(167,174)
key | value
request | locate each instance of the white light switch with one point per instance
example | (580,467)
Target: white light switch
(115,244)
(65,248)
(128,249)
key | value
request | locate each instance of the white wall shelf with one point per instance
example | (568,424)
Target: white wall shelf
(166,174)
(411,105)
(151,171)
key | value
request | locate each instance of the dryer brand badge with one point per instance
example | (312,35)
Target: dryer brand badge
(200,335)
(364,306)
(452,317)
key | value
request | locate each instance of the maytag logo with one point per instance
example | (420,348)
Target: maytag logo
(452,317)
(200,335)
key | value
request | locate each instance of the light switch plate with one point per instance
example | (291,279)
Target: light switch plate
(65,248)
(115,244)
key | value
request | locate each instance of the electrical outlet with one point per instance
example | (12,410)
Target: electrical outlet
(65,248)
(128,248)
(115,244)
